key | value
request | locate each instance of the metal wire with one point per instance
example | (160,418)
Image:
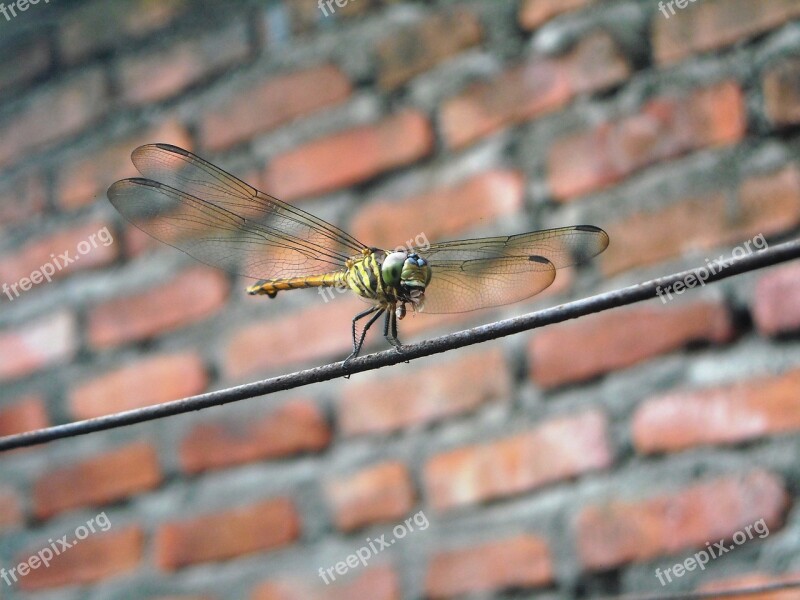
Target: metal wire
(476,335)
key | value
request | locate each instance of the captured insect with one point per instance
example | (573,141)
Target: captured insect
(190,204)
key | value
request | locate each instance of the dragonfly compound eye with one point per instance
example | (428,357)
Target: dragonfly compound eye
(392,268)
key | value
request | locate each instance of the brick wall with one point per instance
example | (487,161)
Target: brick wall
(572,461)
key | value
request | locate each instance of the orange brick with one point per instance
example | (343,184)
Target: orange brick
(166,71)
(776,303)
(532,89)
(191,296)
(102,479)
(33,58)
(559,449)
(11,515)
(616,340)
(88,246)
(53,114)
(272,103)
(782,93)
(99,557)
(712,24)
(442,212)
(97,26)
(48,341)
(86,180)
(752,580)
(21,199)
(665,128)
(220,536)
(349,157)
(143,383)
(523,561)
(378,494)
(622,532)
(432,394)
(747,410)
(297,427)
(413,49)
(376,583)
(26,414)
(533,13)
(767,205)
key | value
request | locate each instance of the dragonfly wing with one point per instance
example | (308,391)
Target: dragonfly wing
(220,220)
(562,247)
(465,285)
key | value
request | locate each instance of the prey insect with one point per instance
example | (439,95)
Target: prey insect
(186,202)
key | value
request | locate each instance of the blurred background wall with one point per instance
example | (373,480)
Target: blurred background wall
(569,462)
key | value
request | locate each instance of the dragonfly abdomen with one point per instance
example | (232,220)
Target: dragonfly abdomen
(271,287)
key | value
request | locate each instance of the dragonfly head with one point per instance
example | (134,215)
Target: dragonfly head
(409,273)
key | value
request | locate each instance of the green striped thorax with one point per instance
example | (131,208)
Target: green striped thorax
(408,273)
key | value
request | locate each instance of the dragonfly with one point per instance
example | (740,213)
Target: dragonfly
(218,219)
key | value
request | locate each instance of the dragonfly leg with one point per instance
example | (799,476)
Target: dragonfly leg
(391,336)
(358,341)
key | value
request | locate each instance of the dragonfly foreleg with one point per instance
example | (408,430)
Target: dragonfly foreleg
(358,340)
(390,329)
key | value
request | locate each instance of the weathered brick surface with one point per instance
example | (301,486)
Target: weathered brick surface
(11,515)
(533,13)
(24,414)
(776,305)
(376,583)
(32,56)
(227,534)
(297,427)
(523,561)
(47,341)
(22,198)
(113,476)
(579,351)
(622,531)
(782,92)
(558,449)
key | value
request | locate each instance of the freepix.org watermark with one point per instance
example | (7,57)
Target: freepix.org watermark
(329,3)
(43,557)
(57,263)
(418,242)
(671,4)
(373,547)
(10,11)
(758,243)
(701,559)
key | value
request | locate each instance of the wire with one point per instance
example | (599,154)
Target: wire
(714,271)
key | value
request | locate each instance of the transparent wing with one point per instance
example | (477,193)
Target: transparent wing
(220,220)
(478,273)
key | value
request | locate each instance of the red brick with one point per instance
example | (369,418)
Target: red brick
(98,25)
(442,212)
(767,205)
(752,580)
(782,93)
(102,479)
(434,393)
(349,157)
(665,128)
(191,296)
(86,180)
(712,24)
(143,383)
(26,414)
(32,59)
(378,494)
(11,515)
(297,427)
(412,49)
(21,199)
(321,331)
(48,341)
(523,561)
(166,71)
(776,305)
(533,13)
(559,449)
(744,411)
(56,112)
(615,340)
(621,532)
(23,267)
(223,535)
(272,103)
(99,557)
(532,89)
(376,583)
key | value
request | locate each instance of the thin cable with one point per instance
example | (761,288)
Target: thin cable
(476,335)
(761,589)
